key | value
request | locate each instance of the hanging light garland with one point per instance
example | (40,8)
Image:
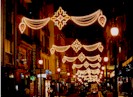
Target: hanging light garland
(59,48)
(82,74)
(60,19)
(76,46)
(32,23)
(86,65)
(93,78)
(81,57)
(90,19)
(90,75)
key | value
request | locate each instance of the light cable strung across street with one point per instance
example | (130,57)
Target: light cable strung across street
(76,46)
(60,19)
(81,57)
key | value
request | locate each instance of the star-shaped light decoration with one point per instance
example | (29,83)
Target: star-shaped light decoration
(60,18)
(76,45)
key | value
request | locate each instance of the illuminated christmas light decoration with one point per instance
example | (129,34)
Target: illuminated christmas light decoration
(22,27)
(102,20)
(95,65)
(81,72)
(59,48)
(69,59)
(77,66)
(90,19)
(32,23)
(60,18)
(87,77)
(81,57)
(95,71)
(86,65)
(93,47)
(88,71)
(94,77)
(76,46)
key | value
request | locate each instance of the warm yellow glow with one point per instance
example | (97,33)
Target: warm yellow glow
(103,68)
(40,62)
(58,69)
(68,74)
(101,72)
(105,59)
(81,58)
(76,46)
(86,65)
(22,27)
(114,31)
(60,18)
(102,20)
(74,76)
(90,19)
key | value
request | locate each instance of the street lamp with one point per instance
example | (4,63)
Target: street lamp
(58,70)
(68,73)
(106,60)
(114,33)
(40,63)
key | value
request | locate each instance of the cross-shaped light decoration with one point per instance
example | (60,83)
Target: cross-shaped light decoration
(60,18)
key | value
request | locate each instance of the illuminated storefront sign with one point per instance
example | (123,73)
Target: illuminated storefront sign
(127,62)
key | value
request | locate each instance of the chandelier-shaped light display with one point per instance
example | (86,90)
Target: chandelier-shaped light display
(89,74)
(76,46)
(60,19)
(91,69)
(81,57)
(93,78)
(83,74)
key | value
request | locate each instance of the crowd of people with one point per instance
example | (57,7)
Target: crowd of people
(92,90)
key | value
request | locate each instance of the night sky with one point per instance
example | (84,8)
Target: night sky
(94,32)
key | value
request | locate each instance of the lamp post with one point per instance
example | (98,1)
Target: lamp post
(58,70)
(40,63)
(106,60)
(114,33)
